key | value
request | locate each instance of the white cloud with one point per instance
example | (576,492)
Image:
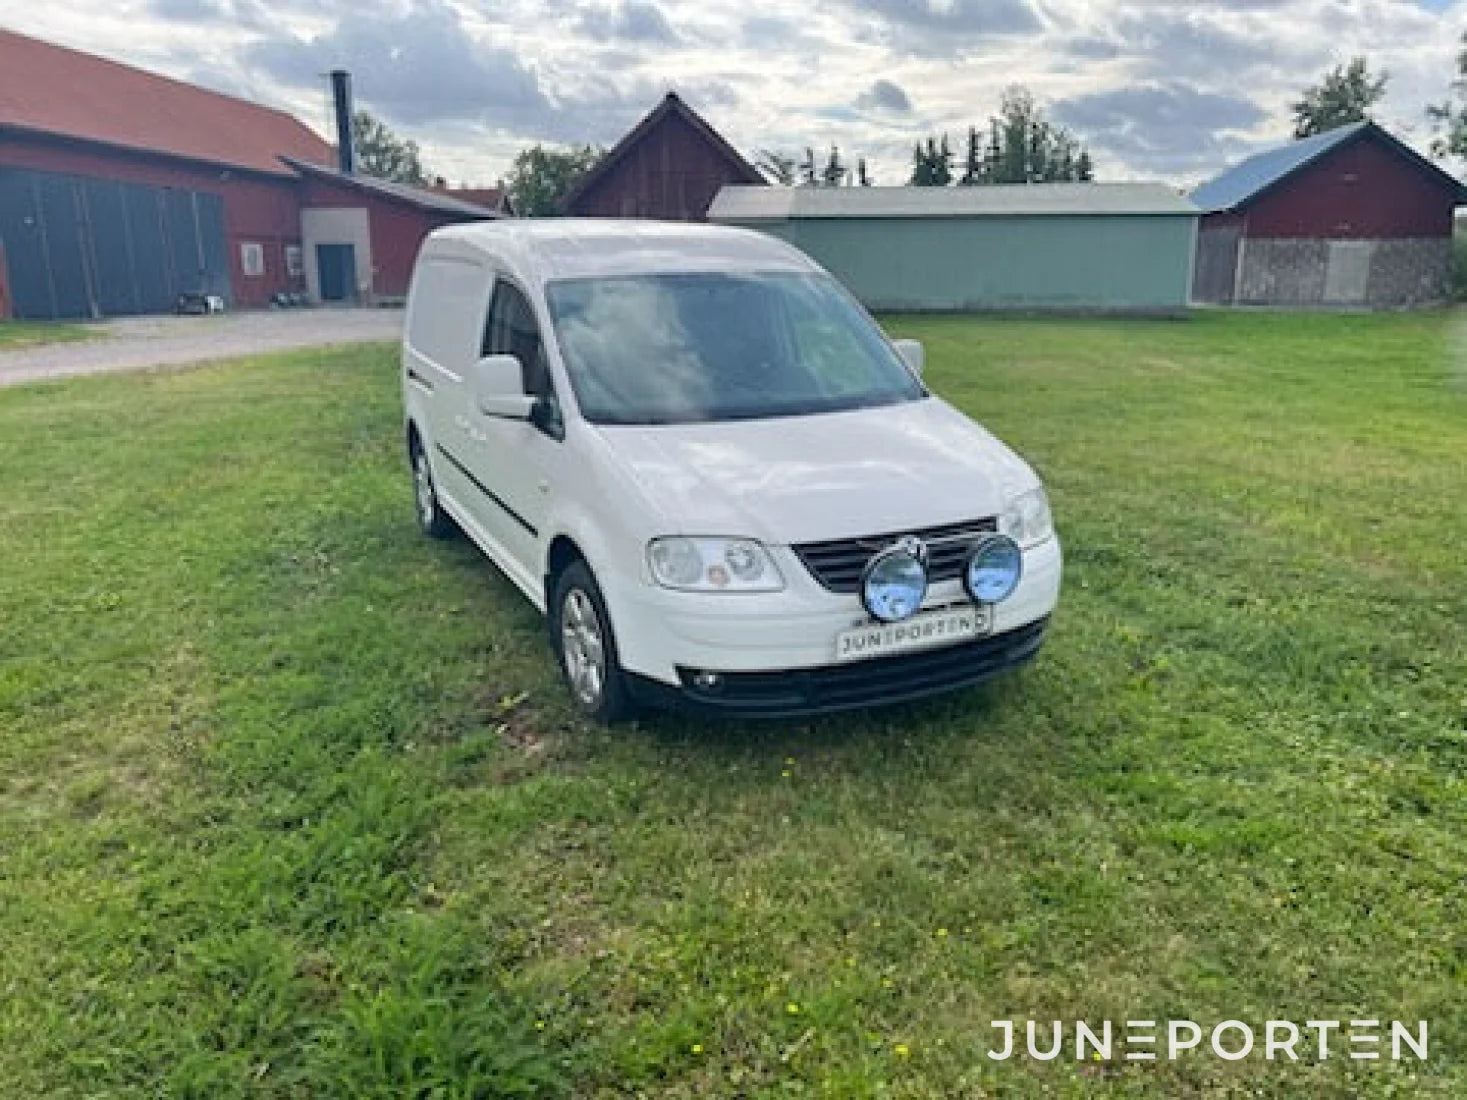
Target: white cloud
(886,97)
(1162,88)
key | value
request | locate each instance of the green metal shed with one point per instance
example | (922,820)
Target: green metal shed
(1077,247)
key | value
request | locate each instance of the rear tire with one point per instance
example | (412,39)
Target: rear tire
(434,521)
(585,647)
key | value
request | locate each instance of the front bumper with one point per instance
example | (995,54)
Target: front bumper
(659,631)
(832,688)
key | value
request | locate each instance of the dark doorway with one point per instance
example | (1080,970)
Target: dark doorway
(1216,268)
(337,264)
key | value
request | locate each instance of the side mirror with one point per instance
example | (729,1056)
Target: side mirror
(499,388)
(912,354)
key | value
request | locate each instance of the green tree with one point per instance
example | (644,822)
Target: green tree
(1024,147)
(1345,94)
(1021,146)
(807,171)
(1450,118)
(1018,115)
(932,164)
(780,168)
(992,152)
(973,161)
(381,153)
(835,173)
(921,168)
(542,177)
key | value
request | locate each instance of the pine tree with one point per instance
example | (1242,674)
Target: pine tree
(809,174)
(1036,167)
(942,163)
(1023,147)
(993,153)
(806,171)
(973,163)
(780,168)
(1065,167)
(835,172)
(1020,146)
(921,168)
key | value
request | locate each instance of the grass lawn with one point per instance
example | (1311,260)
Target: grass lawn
(24,334)
(292,803)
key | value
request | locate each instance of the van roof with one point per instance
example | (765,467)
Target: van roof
(542,249)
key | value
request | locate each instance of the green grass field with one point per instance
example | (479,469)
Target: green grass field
(24,334)
(292,803)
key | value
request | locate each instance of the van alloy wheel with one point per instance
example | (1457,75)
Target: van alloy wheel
(584,648)
(584,639)
(431,516)
(423,483)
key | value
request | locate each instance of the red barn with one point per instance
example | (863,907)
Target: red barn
(670,166)
(490,198)
(1349,218)
(121,189)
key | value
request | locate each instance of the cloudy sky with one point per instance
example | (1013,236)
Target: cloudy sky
(1157,88)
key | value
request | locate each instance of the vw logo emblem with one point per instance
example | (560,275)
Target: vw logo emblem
(911,544)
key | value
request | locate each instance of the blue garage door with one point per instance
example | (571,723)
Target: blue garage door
(25,247)
(152,275)
(61,232)
(111,253)
(80,247)
(209,215)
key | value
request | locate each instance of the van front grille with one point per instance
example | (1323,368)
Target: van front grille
(838,564)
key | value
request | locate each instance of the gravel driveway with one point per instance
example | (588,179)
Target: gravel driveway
(131,343)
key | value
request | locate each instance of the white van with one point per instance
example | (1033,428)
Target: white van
(724,486)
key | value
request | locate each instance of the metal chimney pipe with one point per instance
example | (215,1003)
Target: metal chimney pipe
(341,98)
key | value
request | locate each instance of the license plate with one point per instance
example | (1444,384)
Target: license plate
(932,628)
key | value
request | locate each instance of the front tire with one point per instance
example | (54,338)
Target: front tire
(580,632)
(434,521)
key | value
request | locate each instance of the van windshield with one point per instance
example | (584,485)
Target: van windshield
(681,348)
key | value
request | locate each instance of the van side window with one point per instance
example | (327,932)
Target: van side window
(446,310)
(512,330)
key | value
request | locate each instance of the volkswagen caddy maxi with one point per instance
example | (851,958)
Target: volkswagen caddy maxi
(723,485)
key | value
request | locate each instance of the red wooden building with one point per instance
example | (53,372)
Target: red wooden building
(669,167)
(121,189)
(1348,218)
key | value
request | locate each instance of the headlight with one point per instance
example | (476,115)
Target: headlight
(1026,519)
(894,583)
(993,570)
(713,565)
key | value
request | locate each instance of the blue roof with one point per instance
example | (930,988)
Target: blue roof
(1242,181)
